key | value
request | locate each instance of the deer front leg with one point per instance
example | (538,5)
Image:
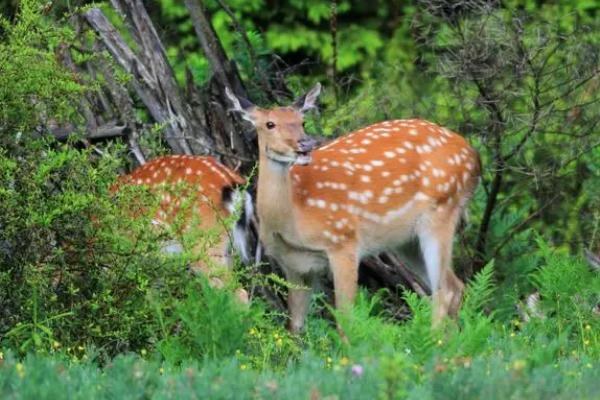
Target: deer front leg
(344,267)
(298,301)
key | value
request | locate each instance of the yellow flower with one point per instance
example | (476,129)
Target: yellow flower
(586,342)
(279,342)
(588,327)
(519,365)
(20,370)
(143,352)
(440,342)
(243,367)
(55,344)
(344,361)
(161,370)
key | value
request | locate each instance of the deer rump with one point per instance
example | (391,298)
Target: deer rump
(198,189)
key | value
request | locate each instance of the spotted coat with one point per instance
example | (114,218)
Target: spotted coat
(376,173)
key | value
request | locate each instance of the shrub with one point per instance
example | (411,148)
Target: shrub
(75,268)
(33,85)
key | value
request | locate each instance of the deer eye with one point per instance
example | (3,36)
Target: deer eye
(270,125)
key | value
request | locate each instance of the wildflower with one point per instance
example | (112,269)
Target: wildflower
(344,361)
(279,342)
(143,352)
(588,327)
(440,342)
(519,365)
(243,367)
(586,342)
(161,370)
(357,370)
(55,344)
(20,370)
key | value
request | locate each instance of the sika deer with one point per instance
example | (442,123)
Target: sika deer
(213,191)
(365,192)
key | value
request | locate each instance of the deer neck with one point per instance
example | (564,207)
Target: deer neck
(274,198)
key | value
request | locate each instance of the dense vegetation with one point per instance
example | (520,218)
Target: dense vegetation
(90,307)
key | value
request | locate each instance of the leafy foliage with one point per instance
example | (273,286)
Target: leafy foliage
(484,357)
(32,84)
(81,282)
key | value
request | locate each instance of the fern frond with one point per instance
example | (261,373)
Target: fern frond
(479,292)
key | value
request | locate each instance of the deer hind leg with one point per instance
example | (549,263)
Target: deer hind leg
(217,268)
(435,239)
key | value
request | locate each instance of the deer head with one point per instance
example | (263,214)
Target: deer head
(280,130)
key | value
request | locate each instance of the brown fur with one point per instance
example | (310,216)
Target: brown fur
(368,191)
(202,181)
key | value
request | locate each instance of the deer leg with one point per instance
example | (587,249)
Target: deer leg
(436,246)
(217,268)
(298,301)
(344,267)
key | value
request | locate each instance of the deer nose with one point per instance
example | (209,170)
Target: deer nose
(306,144)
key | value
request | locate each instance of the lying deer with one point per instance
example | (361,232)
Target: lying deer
(212,192)
(365,192)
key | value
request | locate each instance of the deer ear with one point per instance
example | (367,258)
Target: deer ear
(241,105)
(309,100)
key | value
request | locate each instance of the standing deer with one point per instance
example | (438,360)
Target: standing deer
(209,194)
(368,191)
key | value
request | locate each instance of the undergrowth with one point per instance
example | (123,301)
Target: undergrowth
(218,348)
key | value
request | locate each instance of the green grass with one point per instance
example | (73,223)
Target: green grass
(222,350)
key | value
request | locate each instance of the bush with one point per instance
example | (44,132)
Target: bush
(75,268)
(33,85)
